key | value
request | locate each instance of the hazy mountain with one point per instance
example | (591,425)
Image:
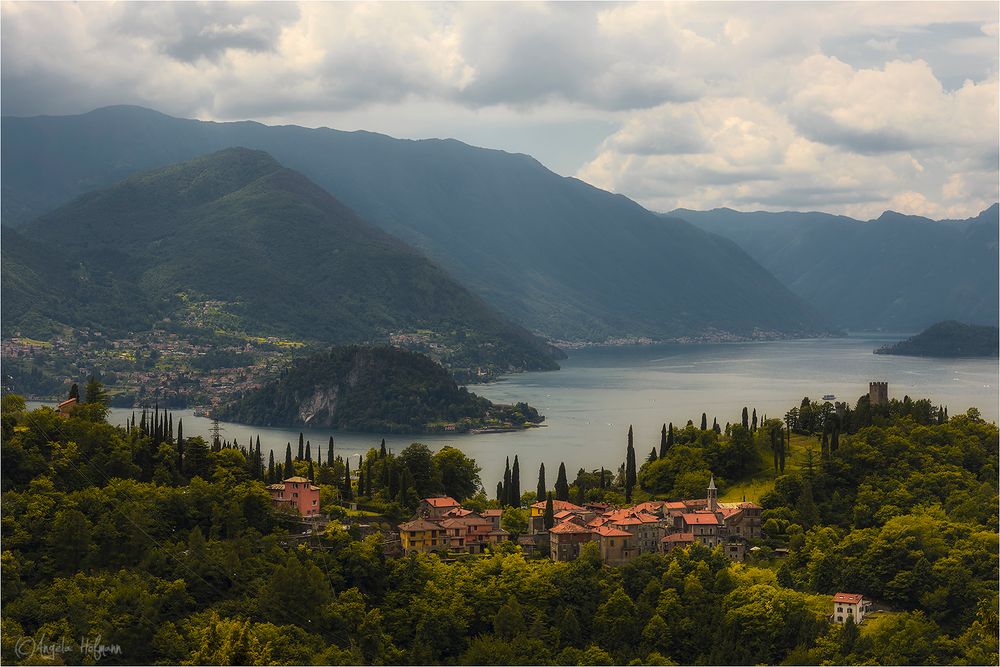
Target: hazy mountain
(259,246)
(554,253)
(898,272)
(949,339)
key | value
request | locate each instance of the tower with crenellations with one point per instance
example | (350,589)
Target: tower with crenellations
(878,393)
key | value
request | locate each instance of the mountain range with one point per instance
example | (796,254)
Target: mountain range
(258,249)
(895,273)
(560,257)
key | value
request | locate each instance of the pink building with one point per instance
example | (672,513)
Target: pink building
(296,493)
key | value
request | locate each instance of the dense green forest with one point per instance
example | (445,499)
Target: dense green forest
(380,389)
(170,549)
(949,339)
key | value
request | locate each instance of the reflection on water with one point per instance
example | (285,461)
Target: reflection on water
(599,392)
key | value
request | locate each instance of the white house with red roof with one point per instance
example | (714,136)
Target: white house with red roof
(850,605)
(437,508)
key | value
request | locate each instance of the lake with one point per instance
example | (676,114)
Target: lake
(590,403)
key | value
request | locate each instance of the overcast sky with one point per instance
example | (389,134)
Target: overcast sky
(851,108)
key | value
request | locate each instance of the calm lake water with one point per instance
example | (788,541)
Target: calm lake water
(590,403)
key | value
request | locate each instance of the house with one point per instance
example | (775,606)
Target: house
(617,546)
(436,508)
(565,539)
(850,605)
(536,519)
(421,536)
(493,516)
(66,407)
(297,494)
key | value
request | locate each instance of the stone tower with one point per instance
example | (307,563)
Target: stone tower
(878,393)
(713,496)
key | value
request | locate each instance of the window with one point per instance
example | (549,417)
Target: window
(612,543)
(840,609)
(840,619)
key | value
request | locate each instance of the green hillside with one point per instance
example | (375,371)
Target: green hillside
(379,389)
(949,339)
(260,248)
(561,257)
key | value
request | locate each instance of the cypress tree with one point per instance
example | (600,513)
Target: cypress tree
(670,435)
(604,479)
(279,472)
(361,479)
(652,456)
(348,492)
(505,500)
(548,517)
(170,428)
(368,478)
(329,452)
(515,484)
(319,457)
(74,392)
(704,422)
(562,486)
(288,461)
(540,489)
(715,425)
(381,451)
(311,476)
(663,441)
(180,444)
(746,419)
(500,492)
(309,456)
(301,447)
(629,467)
(270,468)
(753,423)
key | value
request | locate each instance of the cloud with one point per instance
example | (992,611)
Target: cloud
(847,107)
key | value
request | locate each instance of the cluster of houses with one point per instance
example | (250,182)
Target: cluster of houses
(622,534)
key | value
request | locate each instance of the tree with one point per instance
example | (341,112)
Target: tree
(652,456)
(509,621)
(515,483)
(94,393)
(329,451)
(704,422)
(506,484)
(417,458)
(562,486)
(500,492)
(459,473)
(746,419)
(346,491)
(663,441)
(548,517)
(180,443)
(615,623)
(540,489)
(301,447)
(629,467)
(670,435)
(753,422)
(270,468)
(381,450)
(74,392)
(309,456)
(289,470)
(514,520)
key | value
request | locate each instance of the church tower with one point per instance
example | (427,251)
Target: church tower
(713,496)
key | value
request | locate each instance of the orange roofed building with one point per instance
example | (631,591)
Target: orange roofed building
(296,493)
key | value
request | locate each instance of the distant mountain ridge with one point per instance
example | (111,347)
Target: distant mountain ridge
(563,258)
(897,272)
(259,245)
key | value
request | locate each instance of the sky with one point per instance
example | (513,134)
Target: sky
(849,108)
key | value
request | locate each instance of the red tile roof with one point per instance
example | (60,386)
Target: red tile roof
(419,524)
(295,479)
(486,513)
(442,502)
(608,531)
(848,598)
(678,537)
(559,506)
(568,527)
(700,519)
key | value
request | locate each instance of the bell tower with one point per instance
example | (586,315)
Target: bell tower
(713,496)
